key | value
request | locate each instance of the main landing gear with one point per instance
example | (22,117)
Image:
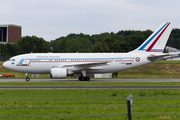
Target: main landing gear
(83,76)
(27,78)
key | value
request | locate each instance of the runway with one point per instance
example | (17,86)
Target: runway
(92,80)
(90,87)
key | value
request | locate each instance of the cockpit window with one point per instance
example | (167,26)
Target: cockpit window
(11,59)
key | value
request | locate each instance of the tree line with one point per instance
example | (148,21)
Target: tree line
(122,41)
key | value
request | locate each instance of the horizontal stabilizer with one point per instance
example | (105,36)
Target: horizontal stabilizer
(159,57)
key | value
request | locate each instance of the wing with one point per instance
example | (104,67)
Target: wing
(75,67)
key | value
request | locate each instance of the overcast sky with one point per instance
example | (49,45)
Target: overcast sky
(51,19)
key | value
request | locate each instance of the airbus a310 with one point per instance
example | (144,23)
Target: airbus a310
(61,65)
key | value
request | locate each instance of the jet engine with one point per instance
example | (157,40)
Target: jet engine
(58,73)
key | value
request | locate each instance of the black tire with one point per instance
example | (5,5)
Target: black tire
(81,78)
(27,79)
(87,78)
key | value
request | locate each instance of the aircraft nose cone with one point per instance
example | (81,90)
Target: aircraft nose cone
(5,64)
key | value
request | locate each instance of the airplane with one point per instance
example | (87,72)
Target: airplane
(61,65)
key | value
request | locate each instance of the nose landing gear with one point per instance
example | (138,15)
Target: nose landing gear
(27,78)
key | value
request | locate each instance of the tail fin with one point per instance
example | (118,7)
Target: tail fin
(157,40)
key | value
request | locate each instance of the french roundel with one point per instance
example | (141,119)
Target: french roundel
(137,59)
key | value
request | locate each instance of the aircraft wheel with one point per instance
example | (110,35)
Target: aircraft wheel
(27,79)
(81,78)
(87,78)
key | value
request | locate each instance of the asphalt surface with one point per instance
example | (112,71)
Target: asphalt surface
(92,80)
(90,87)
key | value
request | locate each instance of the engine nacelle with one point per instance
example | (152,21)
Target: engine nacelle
(58,73)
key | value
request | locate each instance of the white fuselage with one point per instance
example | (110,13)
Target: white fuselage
(41,63)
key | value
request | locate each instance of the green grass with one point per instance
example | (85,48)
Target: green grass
(167,62)
(88,104)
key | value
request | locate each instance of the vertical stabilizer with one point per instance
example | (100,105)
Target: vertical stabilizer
(157,40)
